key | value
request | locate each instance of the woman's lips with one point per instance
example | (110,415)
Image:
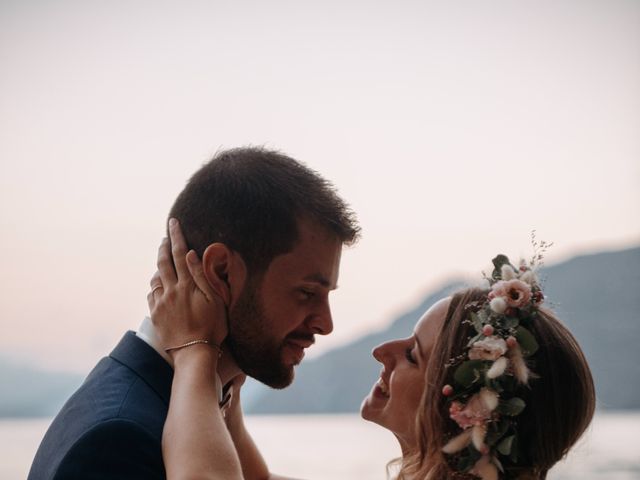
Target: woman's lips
(381,389)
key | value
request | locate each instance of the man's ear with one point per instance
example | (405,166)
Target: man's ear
(225,271)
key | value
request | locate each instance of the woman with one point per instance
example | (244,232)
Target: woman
(489,384)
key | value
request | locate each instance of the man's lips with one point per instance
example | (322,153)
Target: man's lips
(300,342)
(300,339)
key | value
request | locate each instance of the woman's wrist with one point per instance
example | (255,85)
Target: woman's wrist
(196,353)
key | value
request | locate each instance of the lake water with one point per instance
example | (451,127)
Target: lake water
(343,447)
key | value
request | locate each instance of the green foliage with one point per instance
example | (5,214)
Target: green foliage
(506,444)
(509,322)
(475,339)
(515,450)
(496,430)
(467,459)
(527,341)
(476,322)
(512,407)
(498,262)
(469,372)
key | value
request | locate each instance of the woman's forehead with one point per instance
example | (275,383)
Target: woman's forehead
(427,328)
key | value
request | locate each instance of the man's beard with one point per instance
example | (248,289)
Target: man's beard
(256,353)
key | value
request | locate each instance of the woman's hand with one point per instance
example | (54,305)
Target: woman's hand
(182,304)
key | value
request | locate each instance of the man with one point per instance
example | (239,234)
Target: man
(271,231)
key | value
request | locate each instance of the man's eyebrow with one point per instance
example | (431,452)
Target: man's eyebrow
(321,279)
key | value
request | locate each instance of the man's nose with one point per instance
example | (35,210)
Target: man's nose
(322,322)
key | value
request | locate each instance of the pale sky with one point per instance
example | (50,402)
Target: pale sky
(452,128)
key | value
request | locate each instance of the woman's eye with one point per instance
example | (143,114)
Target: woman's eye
(408,354)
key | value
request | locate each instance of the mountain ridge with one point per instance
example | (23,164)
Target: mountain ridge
(595,295)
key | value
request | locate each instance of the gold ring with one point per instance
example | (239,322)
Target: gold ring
(155,288)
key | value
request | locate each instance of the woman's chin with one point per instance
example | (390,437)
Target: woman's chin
(371,408)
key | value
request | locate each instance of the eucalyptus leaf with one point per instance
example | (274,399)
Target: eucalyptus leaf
(496,431)
(510,322)
(469,372)
(527,341)
(473,340)
(515,451)
(477,323)
(464,464)
(494,384)
(498,262)
(504,447)
(511,407)
(467,459)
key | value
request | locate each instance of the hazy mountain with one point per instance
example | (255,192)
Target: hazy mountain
(597,296)
(31,392)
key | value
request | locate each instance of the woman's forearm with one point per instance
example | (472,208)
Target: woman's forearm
(195,440)
(253,465)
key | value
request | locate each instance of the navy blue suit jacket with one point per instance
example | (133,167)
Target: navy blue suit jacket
(111,428)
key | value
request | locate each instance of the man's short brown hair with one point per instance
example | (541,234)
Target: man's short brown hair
(251,199)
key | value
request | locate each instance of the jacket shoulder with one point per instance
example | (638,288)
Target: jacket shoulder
(114,449)
(111,403)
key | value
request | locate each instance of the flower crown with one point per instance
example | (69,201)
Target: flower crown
(484,401)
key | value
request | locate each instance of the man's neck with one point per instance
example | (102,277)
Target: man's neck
(227,367)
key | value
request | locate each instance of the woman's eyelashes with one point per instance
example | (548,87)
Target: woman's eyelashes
(408,353)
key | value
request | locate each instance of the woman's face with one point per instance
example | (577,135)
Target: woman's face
(394,399)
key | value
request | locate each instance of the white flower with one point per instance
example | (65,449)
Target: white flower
(529,277)
(478,434)
(498,368)
(520,370)
(458,442)
(490,348)
(498,304)
(489,398)
(507,272)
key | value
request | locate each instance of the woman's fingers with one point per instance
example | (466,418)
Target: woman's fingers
(197,273)
(215,308)
(156,289)
(151,301)
(165,265)
(156,282)
(178,249)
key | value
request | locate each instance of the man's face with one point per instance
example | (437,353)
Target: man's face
(276,316)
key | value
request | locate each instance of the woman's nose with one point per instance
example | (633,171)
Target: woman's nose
(380,352)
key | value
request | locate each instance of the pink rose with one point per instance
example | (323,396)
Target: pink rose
(477,411)
(490,348)
(516,292)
